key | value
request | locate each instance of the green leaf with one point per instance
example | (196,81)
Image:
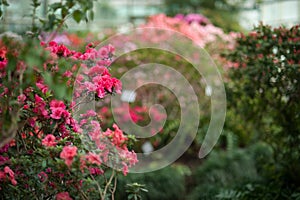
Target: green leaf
(56,6)
(64,12)
(77,15)
(42,20)
(144,190)
(44,164)
(131,196)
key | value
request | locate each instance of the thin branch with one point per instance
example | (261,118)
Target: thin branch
(108,184)
(114,189)
(98,186)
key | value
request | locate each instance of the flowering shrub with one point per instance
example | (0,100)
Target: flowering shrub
(45,153)
(194,26)
(264,89)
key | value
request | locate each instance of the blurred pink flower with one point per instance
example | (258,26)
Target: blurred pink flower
(93,158)
(49,141)
(63,196)
(68,153)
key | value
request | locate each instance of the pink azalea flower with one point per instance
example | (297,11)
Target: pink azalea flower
(42,176)
(58,110)
(57,104)
(13,181)
(95,171)
(89,113)
(49,141)
(11,174)
(93,158)
(3,159)
(2,175)
(40,107)
(3,60)
(101,92)
(96,70)
(116,136)
(68,74)
(68,153)
(63,196)
(117,84)
(8,171)
(21,98)
(125,169)
(59,49)
(57,113)
(42,87)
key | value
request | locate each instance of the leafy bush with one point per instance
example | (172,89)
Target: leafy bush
(44,152)
(167,183)
(220,12)
(264,89)
(223,169)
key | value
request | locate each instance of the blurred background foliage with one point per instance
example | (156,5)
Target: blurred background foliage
(222,13)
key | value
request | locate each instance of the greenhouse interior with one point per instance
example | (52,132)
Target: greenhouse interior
(91,104)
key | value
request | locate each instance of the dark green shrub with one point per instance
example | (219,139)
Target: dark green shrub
(223,169)
(167,183)
(264,89)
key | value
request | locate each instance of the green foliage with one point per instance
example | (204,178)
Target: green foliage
(229,174)
(264,90)
(134,191)
(259,190)
(167,183)
(10,109)
(222,13)
(225,19)
(57,14)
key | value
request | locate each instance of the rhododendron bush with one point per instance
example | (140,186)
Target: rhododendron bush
(45,152)
(264,89)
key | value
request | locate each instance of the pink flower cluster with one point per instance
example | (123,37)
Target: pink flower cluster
(49,141)
(68,153)
(193,26)
(49,126)
(63,196)
(101,82)
(58,49)
(40,107)
(111,144)
(3,59)
(102,56)
(116,136)
(193,17)
(58,110)
(129,158)
(42,86)
(8,174)
(136,113)
(93,158)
